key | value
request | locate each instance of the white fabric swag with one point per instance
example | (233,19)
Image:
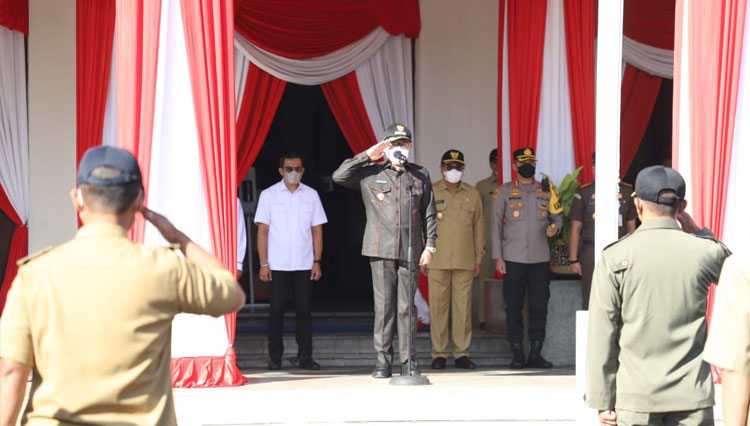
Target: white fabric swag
(653,60)
(241,67)
(14,132)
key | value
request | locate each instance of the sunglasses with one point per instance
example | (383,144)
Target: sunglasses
(453,166)
(290,169)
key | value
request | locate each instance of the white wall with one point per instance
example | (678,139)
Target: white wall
(52,121)
(456,83)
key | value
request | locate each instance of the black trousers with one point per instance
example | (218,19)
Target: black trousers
(281,282)
(520,279)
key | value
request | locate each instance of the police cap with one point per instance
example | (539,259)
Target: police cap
(524,154)
(116,158)
(652,181)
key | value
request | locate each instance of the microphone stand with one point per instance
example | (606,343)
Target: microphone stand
(412,379)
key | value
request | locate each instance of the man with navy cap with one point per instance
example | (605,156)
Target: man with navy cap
(647,315)
(93,316)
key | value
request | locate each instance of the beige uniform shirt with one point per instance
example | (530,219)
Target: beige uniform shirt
(647,321)
(460,227)
(520,216)
(93,317)
(488,189)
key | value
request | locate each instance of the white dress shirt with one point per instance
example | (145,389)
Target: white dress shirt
(290,217)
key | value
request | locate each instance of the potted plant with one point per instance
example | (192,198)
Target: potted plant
(559,243)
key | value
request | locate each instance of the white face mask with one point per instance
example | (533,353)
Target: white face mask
(453,176)
(292,178)
(391,152)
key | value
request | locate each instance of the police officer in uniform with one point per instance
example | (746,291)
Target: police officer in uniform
(456,262)
(488,189)
(647,317)
(523,217)
(582,216)
(386,187)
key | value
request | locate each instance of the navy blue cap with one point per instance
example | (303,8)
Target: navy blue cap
(651,181)
(116,158)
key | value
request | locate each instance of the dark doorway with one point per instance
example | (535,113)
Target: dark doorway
(305,124)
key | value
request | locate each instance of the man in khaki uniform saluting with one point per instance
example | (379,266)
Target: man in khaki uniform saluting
(729,338)
(456,261)
(488,190)
(93,316)
(647,317)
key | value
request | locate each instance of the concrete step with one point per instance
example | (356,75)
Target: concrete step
(328,360)
(256,321)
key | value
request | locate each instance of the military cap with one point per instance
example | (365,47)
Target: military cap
(453,156)
(651,181)
(397,131)
(493,155)
(524,154)
(116,158)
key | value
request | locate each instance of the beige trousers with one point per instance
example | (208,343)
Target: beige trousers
(699,417)
(450,298)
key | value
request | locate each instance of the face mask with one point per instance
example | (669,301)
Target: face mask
(292,178)
(453,176)
(526,170)
(391,152)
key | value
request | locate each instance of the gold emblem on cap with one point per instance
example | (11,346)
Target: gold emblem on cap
(516,213)
(527,151)
(400,128)
(454,155)
(381,196)
(440,215)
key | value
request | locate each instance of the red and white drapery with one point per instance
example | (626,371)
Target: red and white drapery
(14,142)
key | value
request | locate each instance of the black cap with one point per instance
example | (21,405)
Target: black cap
(116,158)
(453,156)
(493,155)
(397,131)
(651,181)
(524,154)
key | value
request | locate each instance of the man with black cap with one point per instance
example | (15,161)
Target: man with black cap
(387,181)
(647,317)
(523,216)
(93,316)
(582,223)
(488,190)
(456,262)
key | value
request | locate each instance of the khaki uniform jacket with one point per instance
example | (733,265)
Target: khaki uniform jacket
(460,223)
(93,317)
(386,198)
(647,321)
(488,189)
(520,216)
(583,210)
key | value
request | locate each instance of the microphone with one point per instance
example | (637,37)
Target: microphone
(401,157)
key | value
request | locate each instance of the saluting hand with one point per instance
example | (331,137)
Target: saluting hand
(163,225)
(376,151)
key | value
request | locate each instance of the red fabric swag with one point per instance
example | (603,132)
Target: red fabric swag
(209,39)
(259,104)
(650,22)
(639,92)
(205,371)
(526,25)
(95,29)
(14,15)
(580,30)
(305,29)
(500,49)
(19,246)
(346,103)
(137,47)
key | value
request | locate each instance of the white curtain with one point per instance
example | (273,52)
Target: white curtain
(318,70)
(14,132)
(555,154)
(241,67)
(653,60)
(385,82)
(109,131)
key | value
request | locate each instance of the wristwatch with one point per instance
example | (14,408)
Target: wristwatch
(316,261)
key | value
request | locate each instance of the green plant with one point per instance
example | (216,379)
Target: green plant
(566,192)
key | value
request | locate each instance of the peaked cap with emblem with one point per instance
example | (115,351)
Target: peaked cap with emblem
(453,156)
(524,154)
(397,131)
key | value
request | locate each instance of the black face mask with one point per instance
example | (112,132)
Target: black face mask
(526,170)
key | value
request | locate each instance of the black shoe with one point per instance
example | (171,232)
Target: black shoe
(308,364)
(536,360)
(438,363)
(274,365)
(414,369)
(381,371)
(465,363)
(519,358)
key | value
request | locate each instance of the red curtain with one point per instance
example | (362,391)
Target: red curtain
(305,29)
(137,45)
(259,103)
(639,92)
(209,38)
(650,22)
(500,45)
(19,246)
(526,25)
(346,103)
(14,15)
(95,29)
(580,31)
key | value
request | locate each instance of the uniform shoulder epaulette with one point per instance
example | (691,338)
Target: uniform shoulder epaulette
(33,256)
(626,184)
(585,185)
(614,243)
